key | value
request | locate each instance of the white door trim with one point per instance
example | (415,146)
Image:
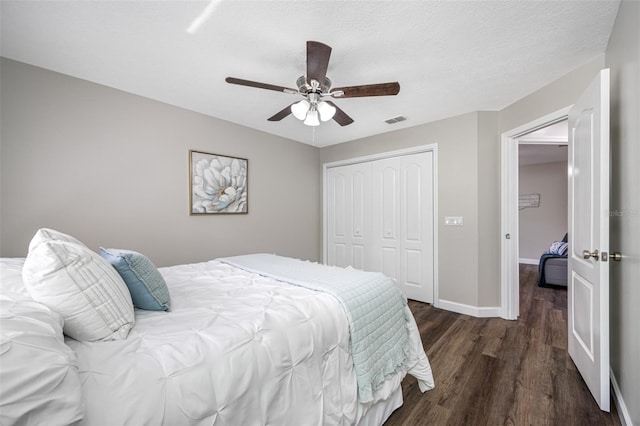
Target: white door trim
(509,280)
(389,154)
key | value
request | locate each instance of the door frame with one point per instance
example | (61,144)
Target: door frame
(509,236)
(433,148)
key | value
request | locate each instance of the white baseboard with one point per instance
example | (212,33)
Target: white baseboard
(623,411)
(529,261)
(474,311)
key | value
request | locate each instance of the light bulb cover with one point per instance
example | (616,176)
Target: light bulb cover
(312,118)
(326,110)
(300,109)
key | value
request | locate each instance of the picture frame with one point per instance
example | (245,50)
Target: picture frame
(218,184)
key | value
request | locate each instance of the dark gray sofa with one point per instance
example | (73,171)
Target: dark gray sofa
(552,269)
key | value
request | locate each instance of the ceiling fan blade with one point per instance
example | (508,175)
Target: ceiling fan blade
(317,61)
(281,114)
(241,82)
(340,116)
(382,89)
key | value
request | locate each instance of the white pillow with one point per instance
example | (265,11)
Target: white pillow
(46,234)
(39,374)
(78,284)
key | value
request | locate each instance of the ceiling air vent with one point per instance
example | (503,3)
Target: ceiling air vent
(395,119)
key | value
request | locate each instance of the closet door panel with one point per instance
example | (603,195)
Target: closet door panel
(358,229)
(348,204)
(358,196)
(386,217)
(417,226)
(339,255)
(337,204)
(389,265)
(413,261)
(412,197)
(358,256)
(388,203)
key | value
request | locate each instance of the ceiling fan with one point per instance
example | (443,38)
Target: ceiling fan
(315,86)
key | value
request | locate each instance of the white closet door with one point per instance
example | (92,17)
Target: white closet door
(348,204)
(416,245)
(402,216)
(381,218)
(385,215)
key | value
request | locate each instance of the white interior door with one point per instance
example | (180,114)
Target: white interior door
(588,292)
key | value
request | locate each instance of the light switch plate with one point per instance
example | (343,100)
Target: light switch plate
(453,221)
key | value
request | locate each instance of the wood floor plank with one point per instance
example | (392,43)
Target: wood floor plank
(489,371)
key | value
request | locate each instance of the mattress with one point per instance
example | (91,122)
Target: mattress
(237,348)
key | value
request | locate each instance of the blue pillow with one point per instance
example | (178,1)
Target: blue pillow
(559,248)
(147,287)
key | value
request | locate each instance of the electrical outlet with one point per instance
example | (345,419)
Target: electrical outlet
(453,221)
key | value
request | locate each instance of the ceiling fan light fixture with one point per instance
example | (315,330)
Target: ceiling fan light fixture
(314,85)
(326,111)
(312,118)
(300,109)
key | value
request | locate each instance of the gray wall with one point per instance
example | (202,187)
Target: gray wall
(556,95)
(623,58)
(111,168)
(540,226)
(488,209)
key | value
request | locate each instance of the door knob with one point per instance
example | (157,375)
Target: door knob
(616,256)
(587,254)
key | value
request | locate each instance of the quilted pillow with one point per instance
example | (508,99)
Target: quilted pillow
(82,287)
(147,287)
(39,375)
(559,248)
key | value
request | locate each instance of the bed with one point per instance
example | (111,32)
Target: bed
(238,346)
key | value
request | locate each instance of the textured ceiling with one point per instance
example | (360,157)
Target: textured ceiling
(450,57)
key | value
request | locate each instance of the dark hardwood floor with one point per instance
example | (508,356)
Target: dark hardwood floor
(490,371)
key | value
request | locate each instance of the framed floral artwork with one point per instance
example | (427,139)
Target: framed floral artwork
(218,184)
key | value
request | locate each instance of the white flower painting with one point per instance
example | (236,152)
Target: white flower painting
(218,184)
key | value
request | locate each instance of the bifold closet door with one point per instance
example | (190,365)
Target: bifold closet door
(348,207)
(380,218)
(403,221)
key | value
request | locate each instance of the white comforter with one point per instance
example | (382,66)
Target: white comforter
(236,349)
(373,303)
